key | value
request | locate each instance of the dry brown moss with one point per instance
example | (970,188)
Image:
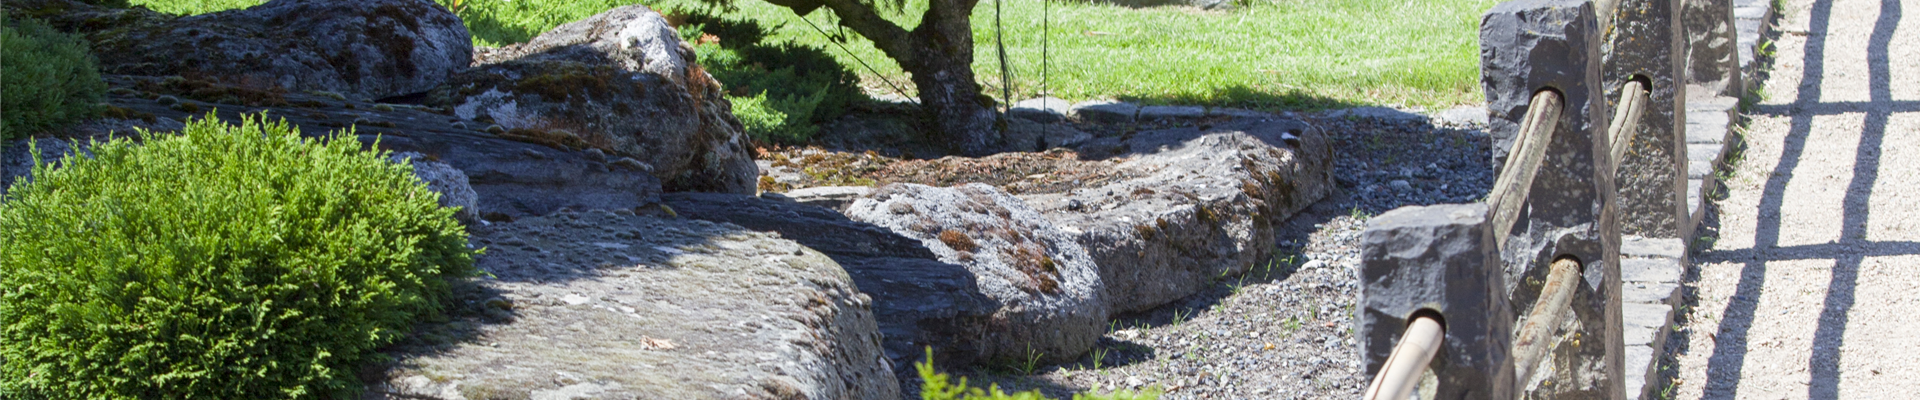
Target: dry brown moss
(958,240)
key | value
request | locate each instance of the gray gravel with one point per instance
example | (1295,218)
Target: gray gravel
(1283,331)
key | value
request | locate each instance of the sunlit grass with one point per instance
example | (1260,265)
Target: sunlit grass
(1269,54)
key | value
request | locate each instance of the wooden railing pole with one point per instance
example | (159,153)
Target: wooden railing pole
(1626,120)
(1409,360)
(1548,314)
(1516,178)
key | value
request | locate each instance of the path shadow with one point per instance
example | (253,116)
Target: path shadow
(1728,359)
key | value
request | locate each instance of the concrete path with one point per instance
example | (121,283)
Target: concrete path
(1808,289)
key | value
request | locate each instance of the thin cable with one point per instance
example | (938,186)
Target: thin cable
(1045,90)
(1006,80)
(856,58)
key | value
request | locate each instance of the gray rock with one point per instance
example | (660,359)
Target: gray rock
(449,182)
(1043,109)
(919,301)
(1438,259)
(621,81)
(511,178)
(1647,42)
(1105,111)
(17,156)
(1400,185)
(1462,116)
(363,50)
(666,309)
(1378,113)
(1050,294)
(833,197)
(1204,205)
(1025,135)
(1237,113)
(1172,112)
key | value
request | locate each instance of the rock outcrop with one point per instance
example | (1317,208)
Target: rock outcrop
(449,182)
(361,49)
(620,81)
(510,178)
(1203,204)
(612,305)
(919,301)
(1052,302)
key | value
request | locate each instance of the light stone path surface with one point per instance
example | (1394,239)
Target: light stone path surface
(1809,289)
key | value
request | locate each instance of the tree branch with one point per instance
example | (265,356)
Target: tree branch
(864,18)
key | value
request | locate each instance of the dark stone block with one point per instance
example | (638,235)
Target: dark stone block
(1532,45)
(1646,40)
(1440,258)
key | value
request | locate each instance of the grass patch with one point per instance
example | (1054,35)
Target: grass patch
(1290,54)
(1268,54)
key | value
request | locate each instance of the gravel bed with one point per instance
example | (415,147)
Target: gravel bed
(1284,331)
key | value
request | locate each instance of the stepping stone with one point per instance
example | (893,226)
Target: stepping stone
(1106,111)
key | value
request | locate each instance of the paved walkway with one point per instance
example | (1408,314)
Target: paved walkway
(1809,290)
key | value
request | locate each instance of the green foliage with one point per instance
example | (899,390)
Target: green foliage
(938,386)
(49,81)
(1268,54)
(230,262)
(194,7)
(781,91)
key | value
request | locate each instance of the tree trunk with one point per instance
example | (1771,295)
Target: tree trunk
(942,68)
(939,54)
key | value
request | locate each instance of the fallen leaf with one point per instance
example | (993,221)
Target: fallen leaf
(650,343)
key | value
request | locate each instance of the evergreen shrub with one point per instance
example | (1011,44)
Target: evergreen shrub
(49,78)
(228,262)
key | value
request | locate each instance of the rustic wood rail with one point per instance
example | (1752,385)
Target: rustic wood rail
(1521,295)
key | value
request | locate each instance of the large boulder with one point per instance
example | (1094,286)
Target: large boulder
(1199,204)
(621,81)
(612,305)
(1052,305)
(509,178)
(361,49)
(919,301)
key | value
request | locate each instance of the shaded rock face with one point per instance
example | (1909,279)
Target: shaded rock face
(919,301)
(621,81)
(362,49)
(1203,204)
(509,178)
(606,305)
(1051,300)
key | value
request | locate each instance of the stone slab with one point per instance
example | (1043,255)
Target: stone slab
(1105,111)
(1660,270)
(1643,321)
(1653,247)
(1637,383)
(1651,293)
(1172,112)
(1705,152)
(1043,109)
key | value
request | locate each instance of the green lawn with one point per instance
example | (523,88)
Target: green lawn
(1269,54)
